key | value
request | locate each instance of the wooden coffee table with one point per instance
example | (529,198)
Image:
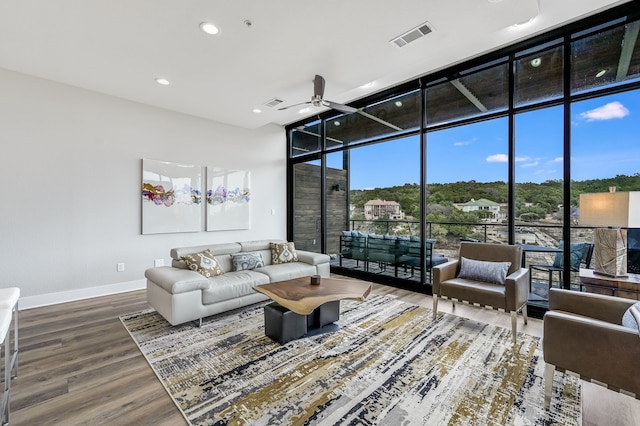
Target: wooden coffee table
(301,308)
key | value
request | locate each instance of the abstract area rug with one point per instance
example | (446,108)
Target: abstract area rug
(387,363)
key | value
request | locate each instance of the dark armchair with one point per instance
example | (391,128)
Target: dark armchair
(511,295)
(411,253)
(581,253)
(583,333)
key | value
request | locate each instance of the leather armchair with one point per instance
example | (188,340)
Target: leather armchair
(512,296)
(583,333)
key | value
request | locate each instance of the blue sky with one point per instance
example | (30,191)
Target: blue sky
(605,136)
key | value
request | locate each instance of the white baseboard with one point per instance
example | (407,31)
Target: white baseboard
(31,302)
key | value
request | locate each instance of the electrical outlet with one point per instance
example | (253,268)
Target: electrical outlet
(158,262)
(120,267)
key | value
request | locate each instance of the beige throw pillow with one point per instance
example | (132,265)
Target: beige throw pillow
(204,263)
(283,253)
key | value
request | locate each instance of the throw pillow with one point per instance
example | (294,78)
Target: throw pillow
(491,272)
(283,253)
(204,263)
(247,261)
(631,317)
(577,251)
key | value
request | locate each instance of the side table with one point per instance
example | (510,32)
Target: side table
(628,287)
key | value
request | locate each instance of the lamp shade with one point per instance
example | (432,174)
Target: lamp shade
(615,209)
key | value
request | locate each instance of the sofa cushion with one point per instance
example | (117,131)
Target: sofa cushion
(203,263)
(232,285)
(215,249)
(288,271)
(485,294)
(247,261)
(479,270)
(283,253)
(312,258)
(258,244)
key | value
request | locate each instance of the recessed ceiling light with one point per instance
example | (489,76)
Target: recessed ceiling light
(367,85)
(336,123)
(257,110)
(536,62)
(209,28)
(398,104)
(304,110)
(601,73)
(163,81)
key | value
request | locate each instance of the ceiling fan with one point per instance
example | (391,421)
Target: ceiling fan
(318,101)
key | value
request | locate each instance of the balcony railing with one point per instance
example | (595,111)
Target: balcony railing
(447,236)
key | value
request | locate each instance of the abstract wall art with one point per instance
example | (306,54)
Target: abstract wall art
(228,199)
(171,197)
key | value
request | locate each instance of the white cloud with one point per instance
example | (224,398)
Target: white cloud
(532,164)
(557,160)
(464,143)
(606,112)
(503,158)
(544,172)
(498,158)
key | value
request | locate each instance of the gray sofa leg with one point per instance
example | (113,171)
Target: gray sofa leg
(435,306)
(198,322)
(548,384)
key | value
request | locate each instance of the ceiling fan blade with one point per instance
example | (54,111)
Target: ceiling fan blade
(294,105)
(318,86)
(340,107)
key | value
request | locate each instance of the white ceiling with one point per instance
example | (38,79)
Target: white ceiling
(118,47)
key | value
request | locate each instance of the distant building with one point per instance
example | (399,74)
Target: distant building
(482,204)
(382,209)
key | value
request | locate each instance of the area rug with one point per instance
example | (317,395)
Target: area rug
(387,363)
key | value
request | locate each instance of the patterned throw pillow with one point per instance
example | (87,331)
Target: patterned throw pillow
(283,253)
(577,251)
(247,261)
(490,272)
(204,263)
(631,317)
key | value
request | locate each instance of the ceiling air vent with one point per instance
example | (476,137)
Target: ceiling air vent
(412,35)
(273,102)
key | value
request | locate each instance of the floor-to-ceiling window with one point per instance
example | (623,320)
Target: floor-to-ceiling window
(467,175)
(538,171)
(498,150)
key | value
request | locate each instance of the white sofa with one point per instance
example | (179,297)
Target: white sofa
(181,295)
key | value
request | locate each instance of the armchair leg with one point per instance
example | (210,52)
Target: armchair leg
(524,314)
(548,384)
(435,306)
(514,324)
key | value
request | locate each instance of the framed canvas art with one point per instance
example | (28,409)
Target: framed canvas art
(171,197)
(228,199)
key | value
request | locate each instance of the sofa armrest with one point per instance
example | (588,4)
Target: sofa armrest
(176,280)
(592,348)
(517,289)
(312,258)
(442,273)
(597,306)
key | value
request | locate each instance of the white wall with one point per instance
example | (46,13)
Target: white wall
(71,181)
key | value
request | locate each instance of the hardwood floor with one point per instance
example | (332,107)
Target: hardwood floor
(78,365)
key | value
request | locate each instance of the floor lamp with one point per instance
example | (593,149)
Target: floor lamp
(613,210)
